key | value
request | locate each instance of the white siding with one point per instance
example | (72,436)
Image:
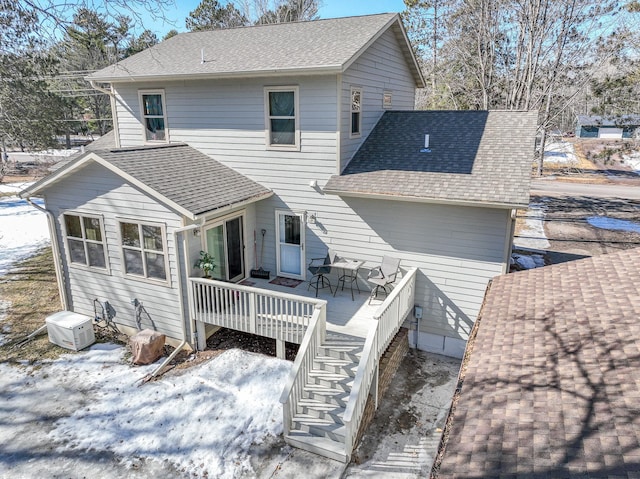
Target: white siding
(96,190)
(381,68)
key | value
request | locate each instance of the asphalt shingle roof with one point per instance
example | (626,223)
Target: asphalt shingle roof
(476,156)
(597,120)
(266,49)
(552,386)
(180,173)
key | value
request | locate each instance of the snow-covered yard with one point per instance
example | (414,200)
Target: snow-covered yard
(560,153)
(201,423)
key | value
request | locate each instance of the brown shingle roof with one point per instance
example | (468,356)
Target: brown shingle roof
(481,157)
(552,386)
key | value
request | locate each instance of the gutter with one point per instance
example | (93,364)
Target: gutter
(56,253)
(185,318)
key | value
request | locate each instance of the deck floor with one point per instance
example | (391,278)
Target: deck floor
(344,316)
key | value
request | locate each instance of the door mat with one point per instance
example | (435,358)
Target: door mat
(291,283)
(246,282)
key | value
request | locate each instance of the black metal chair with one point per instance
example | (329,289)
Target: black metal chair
(320,268)
(383,276)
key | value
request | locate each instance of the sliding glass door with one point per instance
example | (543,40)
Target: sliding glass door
(225,242)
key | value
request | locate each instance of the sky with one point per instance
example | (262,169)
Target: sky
(328,9)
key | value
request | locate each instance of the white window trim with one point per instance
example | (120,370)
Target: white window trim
(267,118)
(71,264)
(352,111)
(165,252)
(164,115)
(387,106)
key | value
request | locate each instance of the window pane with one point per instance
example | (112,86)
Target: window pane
(152,104)
(72,224)
(76,251)
(152,237)
(155,128)
(355,100)
(291,232)
(92,229)
(282,103)
(96,255)
(130,234)
(155,266)
(215,247)
(283,132)
(133,262)
(355,122)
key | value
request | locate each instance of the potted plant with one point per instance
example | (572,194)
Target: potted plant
(206,264)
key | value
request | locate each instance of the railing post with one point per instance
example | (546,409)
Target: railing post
(253,313)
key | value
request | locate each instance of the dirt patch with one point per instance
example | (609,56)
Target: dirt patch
(32,293)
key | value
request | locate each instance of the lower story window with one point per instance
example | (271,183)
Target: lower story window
(84,238)
(144,250)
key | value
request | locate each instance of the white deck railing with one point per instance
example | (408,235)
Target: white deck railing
(390,317)
(258,311)
(293,390)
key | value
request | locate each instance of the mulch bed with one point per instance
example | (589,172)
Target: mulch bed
(225,339)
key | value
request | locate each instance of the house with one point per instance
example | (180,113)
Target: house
(607,127)
(267,146)
(551,385)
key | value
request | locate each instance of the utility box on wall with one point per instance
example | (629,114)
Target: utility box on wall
(70,330)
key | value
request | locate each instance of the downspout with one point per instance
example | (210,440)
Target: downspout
(187,317)
(56,253)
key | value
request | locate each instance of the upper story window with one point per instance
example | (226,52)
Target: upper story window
(387,99)
(282,117)
(356,112)
(154,115)
(144,250)
(84,236)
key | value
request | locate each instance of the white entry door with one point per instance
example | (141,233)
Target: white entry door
(290,244)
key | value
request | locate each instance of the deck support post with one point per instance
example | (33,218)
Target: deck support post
(201,335)
(280,352)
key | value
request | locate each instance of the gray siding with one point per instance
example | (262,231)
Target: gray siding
(381,68)
(95,190)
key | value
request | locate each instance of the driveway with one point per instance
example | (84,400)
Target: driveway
(552,187)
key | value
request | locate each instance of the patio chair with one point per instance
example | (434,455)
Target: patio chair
(320,268)
(383,276)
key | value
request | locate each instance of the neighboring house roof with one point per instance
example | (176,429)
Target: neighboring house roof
(105,142)
(320,46)
(613,121)
(477,157)
(552,383)
(179,176)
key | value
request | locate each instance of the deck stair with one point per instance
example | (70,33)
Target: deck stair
(317,425)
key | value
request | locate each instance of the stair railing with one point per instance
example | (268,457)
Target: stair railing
(389,317)
(311,342)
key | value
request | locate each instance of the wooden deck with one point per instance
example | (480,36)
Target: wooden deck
(353,318)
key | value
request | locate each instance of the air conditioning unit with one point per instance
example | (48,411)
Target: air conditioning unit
(70,330)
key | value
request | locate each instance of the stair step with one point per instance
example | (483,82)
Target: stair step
(336,365)
(348,354)
(319,427)
(330,379)
(318,445)
(316,392)
(321,410)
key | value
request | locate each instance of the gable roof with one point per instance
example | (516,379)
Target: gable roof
(552,383)
(179,176)
(105,142)
(285,48)
(479,157)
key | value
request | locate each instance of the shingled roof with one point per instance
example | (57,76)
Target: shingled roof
(481,157)
(552,383)
(328,46)
(180,176)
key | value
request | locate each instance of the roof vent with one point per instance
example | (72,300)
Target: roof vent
(426,145)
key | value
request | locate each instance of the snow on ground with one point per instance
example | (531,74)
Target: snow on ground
(607,223)
(4,328)
(167,420)
(531,235)
(23,228)
(632,161)
(561,153)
